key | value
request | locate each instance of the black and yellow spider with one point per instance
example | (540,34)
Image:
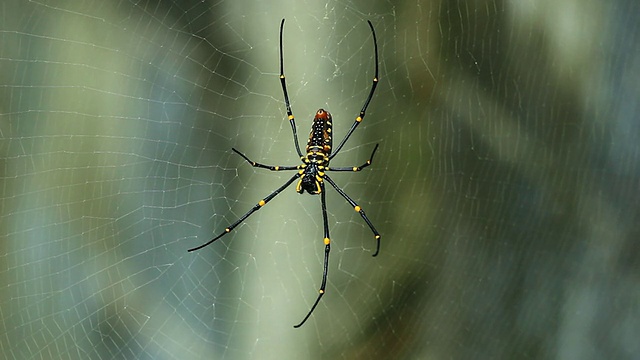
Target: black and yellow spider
(311,174)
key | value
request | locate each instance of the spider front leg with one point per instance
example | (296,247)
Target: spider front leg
(327,249)
(255,208)
(363,111)
(287,103)
(357,208)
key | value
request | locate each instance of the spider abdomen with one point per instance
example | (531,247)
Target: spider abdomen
(317,156)
(320,140)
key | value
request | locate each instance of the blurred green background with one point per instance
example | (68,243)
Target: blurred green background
(505,187)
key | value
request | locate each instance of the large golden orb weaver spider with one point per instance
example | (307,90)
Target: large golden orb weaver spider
(311,174)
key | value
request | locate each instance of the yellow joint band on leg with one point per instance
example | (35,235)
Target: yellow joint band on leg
(327,241)
(357,208)
(261,202)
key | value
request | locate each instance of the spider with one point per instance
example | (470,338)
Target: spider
(311,174)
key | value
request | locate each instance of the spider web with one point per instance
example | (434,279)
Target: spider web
(505,186)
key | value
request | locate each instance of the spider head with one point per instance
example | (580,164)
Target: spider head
(309,182)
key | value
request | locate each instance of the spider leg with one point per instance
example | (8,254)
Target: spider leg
(374,84)
(327,248)
(355,168)
(292,121)
(255,208)
(357,208)
(262,166)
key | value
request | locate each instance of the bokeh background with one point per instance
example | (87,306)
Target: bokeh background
(505,186)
